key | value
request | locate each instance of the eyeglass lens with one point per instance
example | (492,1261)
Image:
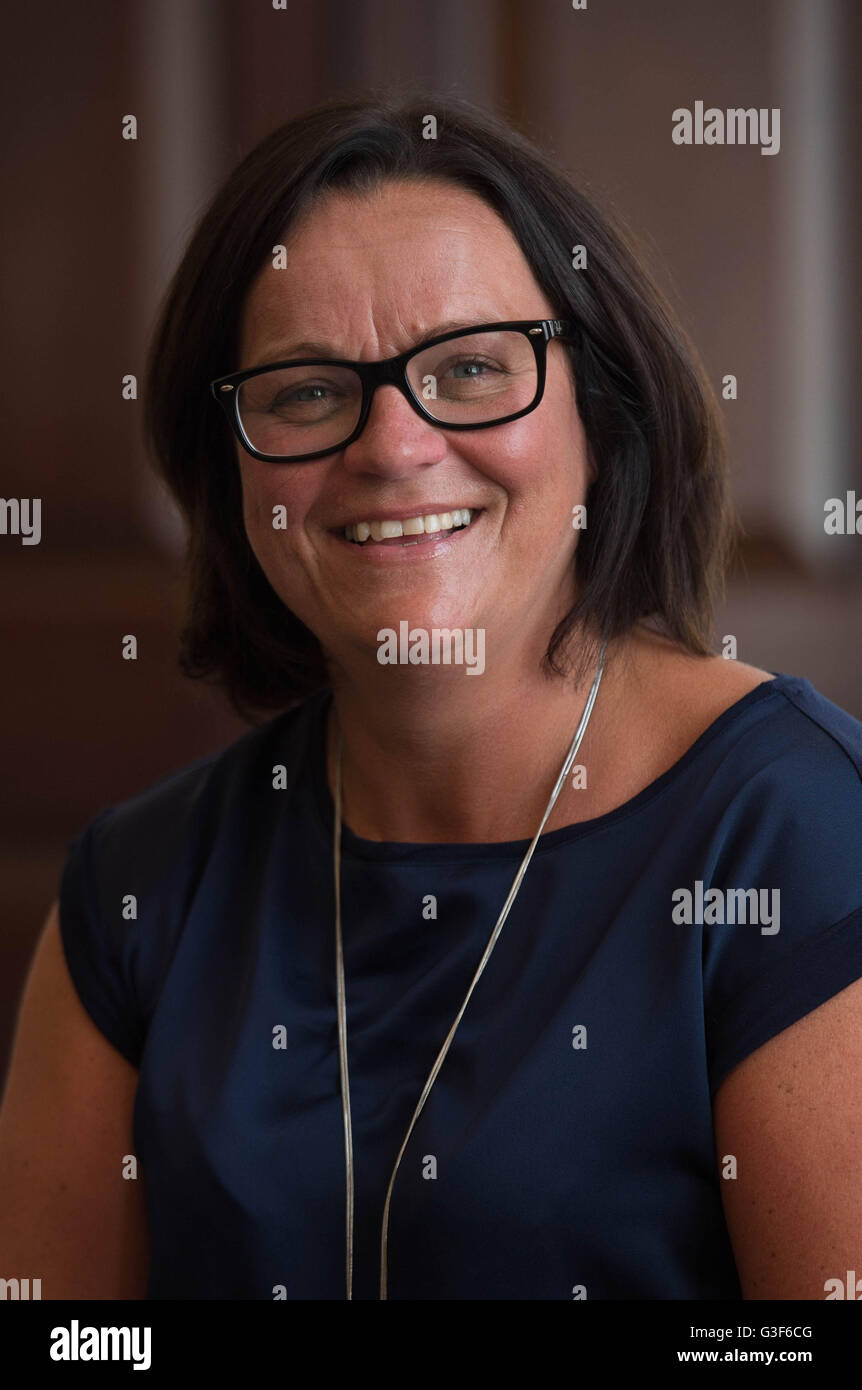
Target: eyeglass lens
(473,379)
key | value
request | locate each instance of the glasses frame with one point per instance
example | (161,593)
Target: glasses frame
(391,371)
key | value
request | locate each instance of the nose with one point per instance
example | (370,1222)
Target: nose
(395,438)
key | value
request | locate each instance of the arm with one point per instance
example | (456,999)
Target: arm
(67,1215)
(791,1113)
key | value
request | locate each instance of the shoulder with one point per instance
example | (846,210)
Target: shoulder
(689,697)
(193,805)
(772,791)
(779,867)
(786,786)
(682,693)
(132,875)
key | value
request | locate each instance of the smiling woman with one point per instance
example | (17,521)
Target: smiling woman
(406,1004)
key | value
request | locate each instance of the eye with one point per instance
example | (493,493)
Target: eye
(298,394)
(472,367)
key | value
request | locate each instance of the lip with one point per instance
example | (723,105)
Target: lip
(417,548)
(404,513)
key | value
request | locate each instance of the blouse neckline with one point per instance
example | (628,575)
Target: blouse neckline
(382,851)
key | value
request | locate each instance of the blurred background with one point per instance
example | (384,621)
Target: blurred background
(759,254)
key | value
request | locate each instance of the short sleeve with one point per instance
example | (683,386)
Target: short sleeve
(785,933)
(96,943)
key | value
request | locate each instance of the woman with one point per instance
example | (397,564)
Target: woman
(358,1052)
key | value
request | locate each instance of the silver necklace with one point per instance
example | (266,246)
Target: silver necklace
(342,1013)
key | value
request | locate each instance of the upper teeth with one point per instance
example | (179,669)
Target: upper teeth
(410,526)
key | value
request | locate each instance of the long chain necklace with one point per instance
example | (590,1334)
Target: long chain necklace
(342,1012)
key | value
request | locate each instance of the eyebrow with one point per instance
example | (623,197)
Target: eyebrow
(280,352)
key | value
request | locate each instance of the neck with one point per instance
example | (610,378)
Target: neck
(440,757)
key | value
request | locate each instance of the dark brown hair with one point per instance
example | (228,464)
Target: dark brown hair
(659,519)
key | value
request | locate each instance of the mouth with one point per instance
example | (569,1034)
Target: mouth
(409,531)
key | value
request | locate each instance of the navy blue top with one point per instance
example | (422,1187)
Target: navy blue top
(567,1143)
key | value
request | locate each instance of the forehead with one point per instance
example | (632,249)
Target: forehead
(375,272)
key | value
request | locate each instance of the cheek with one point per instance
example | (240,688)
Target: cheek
(263,489)
(539,462)
(271,543)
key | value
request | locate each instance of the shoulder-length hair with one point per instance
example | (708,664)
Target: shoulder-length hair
(659,519)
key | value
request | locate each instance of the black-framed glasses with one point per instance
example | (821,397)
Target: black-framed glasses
(469,379)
